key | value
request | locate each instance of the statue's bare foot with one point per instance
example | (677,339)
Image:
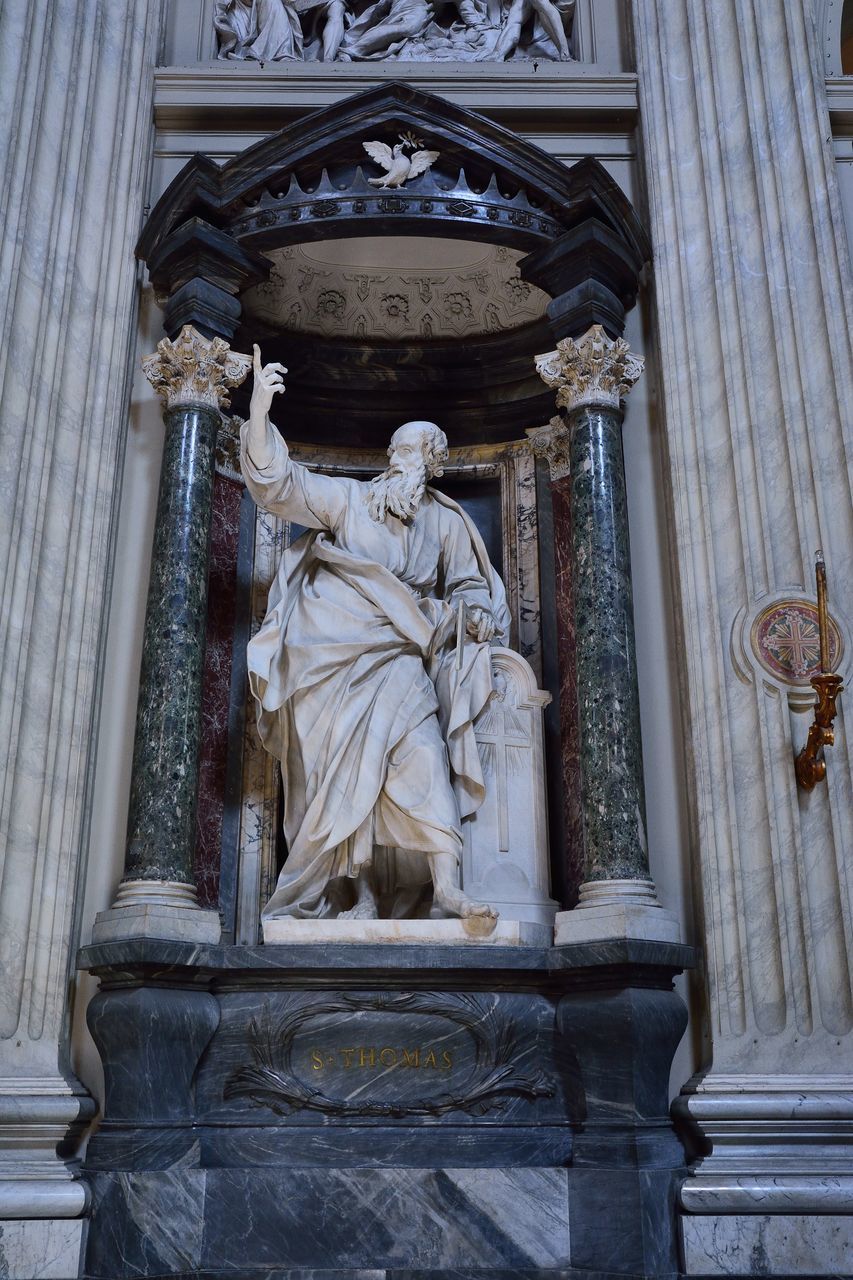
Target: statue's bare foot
(361,911)
(454,902)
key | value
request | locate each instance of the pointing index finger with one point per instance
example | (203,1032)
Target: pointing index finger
(256,357)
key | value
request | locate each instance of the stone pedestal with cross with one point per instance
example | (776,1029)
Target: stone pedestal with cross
(506,841)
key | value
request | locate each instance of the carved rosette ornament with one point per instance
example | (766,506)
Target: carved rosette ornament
(195,370)
(594,370)
(553,443)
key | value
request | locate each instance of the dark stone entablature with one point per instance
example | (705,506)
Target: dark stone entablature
(260,1119)
(206,240)
(259,178)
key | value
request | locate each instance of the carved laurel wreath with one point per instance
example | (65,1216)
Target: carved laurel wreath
(272,1082)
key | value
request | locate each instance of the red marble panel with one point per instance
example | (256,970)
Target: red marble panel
(569,734)
(216,692)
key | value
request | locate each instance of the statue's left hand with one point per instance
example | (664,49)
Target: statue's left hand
(480,624)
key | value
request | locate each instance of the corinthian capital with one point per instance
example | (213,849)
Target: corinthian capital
(552,443)
(595,370)
(195,370)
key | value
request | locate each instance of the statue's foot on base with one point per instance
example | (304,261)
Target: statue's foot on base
(454,902)
(361,911)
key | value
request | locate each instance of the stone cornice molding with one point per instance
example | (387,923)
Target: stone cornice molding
(552,443)
(269,98)
(195,370)
(594,370)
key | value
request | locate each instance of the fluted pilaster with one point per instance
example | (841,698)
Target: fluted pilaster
(753,289)
(75,93)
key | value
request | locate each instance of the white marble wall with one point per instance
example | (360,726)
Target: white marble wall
(754,301)
(75,92)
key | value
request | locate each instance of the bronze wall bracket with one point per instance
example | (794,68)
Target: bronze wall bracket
(810,764)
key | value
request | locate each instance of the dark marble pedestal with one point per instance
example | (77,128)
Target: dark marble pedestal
(288,1112)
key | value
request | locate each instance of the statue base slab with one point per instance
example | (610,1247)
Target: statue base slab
(449,933)
(384,1112)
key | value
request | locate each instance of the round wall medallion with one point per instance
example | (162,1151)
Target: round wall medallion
(786,641)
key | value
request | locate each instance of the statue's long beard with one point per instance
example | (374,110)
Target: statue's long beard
(397,493)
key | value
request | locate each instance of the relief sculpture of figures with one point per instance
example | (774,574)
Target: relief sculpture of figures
(403,30)
(258,30)
(369,671)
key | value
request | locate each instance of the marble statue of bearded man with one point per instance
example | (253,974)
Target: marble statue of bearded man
(363,693)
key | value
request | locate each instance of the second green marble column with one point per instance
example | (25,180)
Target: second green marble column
(617,896)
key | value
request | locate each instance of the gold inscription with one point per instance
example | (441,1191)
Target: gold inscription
(375,1058)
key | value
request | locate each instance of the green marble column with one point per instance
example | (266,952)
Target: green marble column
(608,699)
(617,897)
(157,896)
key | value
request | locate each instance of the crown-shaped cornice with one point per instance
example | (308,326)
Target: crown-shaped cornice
(314,173)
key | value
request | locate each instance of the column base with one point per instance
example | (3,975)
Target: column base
(42,1119)
(42,1196)
(775,1145)
(156,909)
(616,909)
(29,1196)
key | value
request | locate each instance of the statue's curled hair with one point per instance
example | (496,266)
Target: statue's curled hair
(434,446)
(436,452)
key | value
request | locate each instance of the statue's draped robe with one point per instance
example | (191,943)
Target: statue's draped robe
(263,31)
(355,675)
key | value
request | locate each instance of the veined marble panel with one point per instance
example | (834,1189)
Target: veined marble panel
(798,1245)
(218,659)
(40,1249)
(433,1219)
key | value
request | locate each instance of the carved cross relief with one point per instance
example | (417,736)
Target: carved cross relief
(502,738)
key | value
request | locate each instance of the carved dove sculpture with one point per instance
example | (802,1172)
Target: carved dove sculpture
(399,167)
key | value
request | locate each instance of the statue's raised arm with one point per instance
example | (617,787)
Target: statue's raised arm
(278,484)
(269,382)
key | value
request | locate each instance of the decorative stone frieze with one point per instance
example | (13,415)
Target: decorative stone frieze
(195,370)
